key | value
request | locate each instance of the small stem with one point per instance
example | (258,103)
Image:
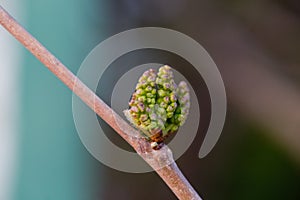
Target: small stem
(169,171)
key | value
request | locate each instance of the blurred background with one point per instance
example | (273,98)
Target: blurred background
(256,46)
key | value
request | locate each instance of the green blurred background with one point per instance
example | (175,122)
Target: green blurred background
(256,46)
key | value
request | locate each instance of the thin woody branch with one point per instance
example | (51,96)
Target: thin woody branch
(161,160)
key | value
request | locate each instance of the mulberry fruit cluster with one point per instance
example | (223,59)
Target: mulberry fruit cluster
(158,107)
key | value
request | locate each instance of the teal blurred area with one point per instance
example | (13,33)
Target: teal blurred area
(53,164)
(255,45)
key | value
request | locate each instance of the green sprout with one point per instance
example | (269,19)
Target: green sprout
(158,107)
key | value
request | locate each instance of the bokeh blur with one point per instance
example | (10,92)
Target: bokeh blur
(254,43)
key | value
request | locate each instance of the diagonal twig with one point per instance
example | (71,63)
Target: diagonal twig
(160,160)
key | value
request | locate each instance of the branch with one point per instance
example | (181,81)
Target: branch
(160,160)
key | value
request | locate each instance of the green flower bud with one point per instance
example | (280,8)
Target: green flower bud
(173,97)
(170,114)
(163,105)
(158,107)
(153,101)
(143,117)
(149,100)
(150,95)
(166,99)
(153,116)
(161,93)
(141,106)
(170,108)
(148,88)
(142,99)
(134,109)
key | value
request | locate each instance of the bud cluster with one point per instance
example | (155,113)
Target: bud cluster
(158,106)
